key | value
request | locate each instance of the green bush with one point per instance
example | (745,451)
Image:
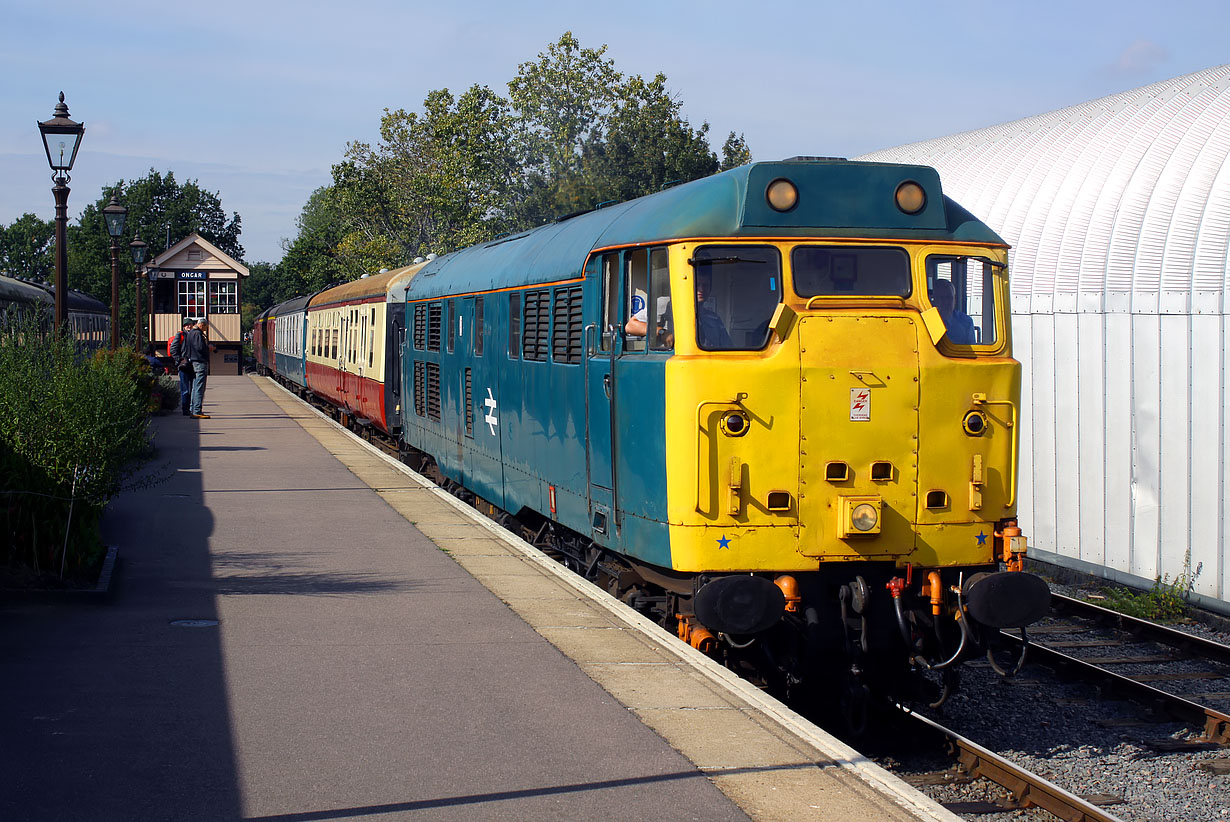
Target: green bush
(1166,601)
(72,429)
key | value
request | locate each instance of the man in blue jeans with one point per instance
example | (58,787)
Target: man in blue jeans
(196,351)
(175,350)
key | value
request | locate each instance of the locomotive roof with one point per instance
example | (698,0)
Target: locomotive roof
(837,198)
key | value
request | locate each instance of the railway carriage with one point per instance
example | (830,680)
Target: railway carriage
(287,323)
(351,347)
(89,319)
(262,342)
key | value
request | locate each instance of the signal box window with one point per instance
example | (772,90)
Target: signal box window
(737,289)
(648,288)
(192,298)
(963,289)
(842,271)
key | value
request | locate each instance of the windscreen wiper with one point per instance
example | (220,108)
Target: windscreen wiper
(722,260)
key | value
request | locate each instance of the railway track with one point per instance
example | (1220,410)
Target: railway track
(1028,790)
(1172,673)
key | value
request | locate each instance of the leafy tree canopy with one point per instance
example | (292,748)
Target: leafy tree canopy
(27,248)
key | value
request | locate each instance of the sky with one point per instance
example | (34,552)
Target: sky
(256,100)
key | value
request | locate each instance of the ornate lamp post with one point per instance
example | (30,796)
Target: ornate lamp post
(61,139)
(137,248)
(151,274)
(114,216)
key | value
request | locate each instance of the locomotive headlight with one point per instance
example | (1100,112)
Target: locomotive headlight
(911,197)
(734,423)
(975,423)
(864,517)
(859,516)
(782,194)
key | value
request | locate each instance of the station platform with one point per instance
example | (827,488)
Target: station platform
(299,628)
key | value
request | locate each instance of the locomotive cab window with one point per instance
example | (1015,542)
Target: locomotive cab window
(963,289)
(844,271)
(647,286)
(737,289)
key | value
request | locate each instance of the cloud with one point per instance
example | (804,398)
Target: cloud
(1142,55)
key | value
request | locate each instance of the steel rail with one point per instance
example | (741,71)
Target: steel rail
(1215,723)
(1143,628)
(1029,789)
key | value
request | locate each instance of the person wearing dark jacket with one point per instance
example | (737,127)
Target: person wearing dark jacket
(196,351)
(175,350)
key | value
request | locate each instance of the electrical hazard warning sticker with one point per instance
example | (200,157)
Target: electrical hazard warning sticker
(860,405)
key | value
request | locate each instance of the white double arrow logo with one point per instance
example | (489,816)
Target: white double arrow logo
(491,419)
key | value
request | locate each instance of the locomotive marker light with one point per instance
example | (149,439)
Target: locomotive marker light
(782,194)
(734,424)
(911,197)
(114,216)
(61,139)
(975,423)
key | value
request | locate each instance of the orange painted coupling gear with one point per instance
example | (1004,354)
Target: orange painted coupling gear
(790,589)
(697,636)
(1009,537)
(936,589)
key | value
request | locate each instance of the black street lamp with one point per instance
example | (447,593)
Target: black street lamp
(137,248)
(114,216)
(61,139)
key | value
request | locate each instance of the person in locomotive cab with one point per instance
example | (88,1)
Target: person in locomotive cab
(175,350)
(959,326)
(196,351)
(710,331)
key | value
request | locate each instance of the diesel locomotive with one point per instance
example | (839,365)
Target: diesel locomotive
(775,408)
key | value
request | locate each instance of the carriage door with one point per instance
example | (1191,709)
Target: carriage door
(602,339)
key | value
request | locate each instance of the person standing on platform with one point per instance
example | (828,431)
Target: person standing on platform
(175,350)
(196,351)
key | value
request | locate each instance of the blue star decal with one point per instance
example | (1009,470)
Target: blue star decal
(723,542)
(982,538)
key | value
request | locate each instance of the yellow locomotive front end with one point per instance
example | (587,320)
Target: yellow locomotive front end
(863,460)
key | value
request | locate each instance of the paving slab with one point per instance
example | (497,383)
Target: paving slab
(371,648)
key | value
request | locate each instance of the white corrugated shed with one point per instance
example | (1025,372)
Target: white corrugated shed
(1118,211)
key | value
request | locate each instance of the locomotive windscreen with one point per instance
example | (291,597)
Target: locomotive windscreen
(843,271)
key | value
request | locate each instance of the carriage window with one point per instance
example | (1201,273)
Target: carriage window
(843,271)
(737,289)
(963,289)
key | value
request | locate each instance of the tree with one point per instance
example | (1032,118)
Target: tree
(27,248)
(163,211)
(437,181)
(591,135)
(735,152)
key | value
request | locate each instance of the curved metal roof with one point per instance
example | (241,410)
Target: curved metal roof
(1120,204)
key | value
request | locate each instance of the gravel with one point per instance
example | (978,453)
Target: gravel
(1072,736)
